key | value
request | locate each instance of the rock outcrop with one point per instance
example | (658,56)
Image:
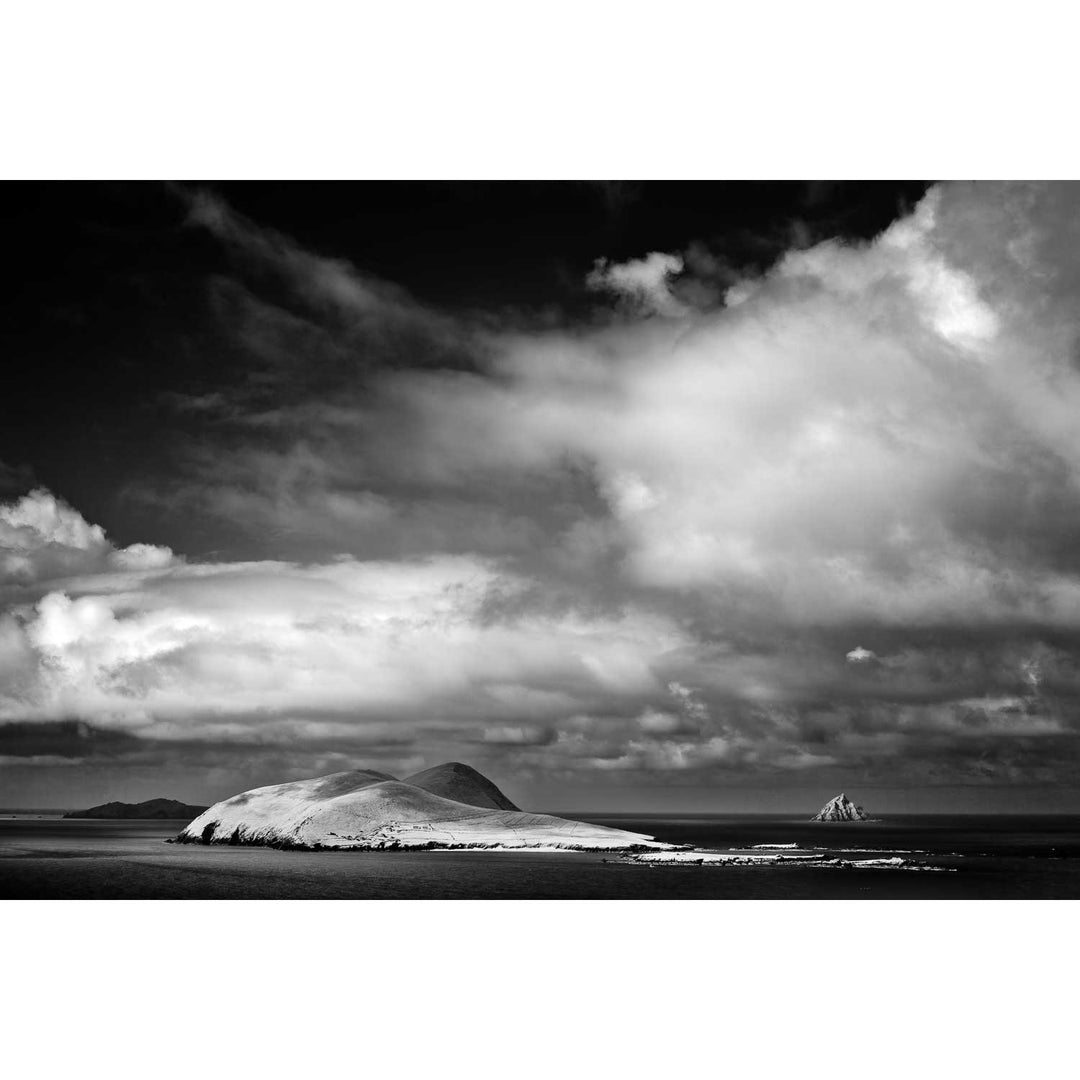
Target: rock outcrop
(369,810)
(840,809)
(158,809)
(815,861)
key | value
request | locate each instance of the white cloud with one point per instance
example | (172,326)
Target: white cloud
(42,538)
(946,298)
(872,438)
(646,282)
(531,735)
(849,442)
(226,650)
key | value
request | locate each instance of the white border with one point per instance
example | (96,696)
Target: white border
(584,90)
(533,989)
(232,89)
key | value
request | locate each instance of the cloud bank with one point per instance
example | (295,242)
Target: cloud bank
(823,523)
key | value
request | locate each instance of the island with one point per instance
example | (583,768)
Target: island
(449,806)
(158,809)
(840,809)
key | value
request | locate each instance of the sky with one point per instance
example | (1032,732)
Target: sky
(634,496)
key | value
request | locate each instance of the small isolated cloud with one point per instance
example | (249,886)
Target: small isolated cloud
(526,735)
(661,723)
(644,283)
(859,655)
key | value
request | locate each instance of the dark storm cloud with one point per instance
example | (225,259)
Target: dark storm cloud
(60,739)
(813,519)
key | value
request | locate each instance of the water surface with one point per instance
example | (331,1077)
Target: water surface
(999,857)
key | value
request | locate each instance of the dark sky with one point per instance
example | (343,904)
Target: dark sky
(117,304)
(633,495)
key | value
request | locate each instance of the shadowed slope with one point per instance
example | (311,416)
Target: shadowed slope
(462,784)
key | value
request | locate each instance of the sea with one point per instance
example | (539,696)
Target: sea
(46,857)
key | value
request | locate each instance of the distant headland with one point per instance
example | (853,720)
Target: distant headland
(159,809)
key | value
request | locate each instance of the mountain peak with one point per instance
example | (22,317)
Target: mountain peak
(461,783)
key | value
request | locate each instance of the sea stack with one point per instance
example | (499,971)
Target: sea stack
(840,809)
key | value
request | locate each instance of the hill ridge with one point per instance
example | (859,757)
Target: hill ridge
(163,809)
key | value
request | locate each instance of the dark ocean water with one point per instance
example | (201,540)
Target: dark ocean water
(1022,857)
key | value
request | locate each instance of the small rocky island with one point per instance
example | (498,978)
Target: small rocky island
(449,806)
(840,809)
(157,809)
